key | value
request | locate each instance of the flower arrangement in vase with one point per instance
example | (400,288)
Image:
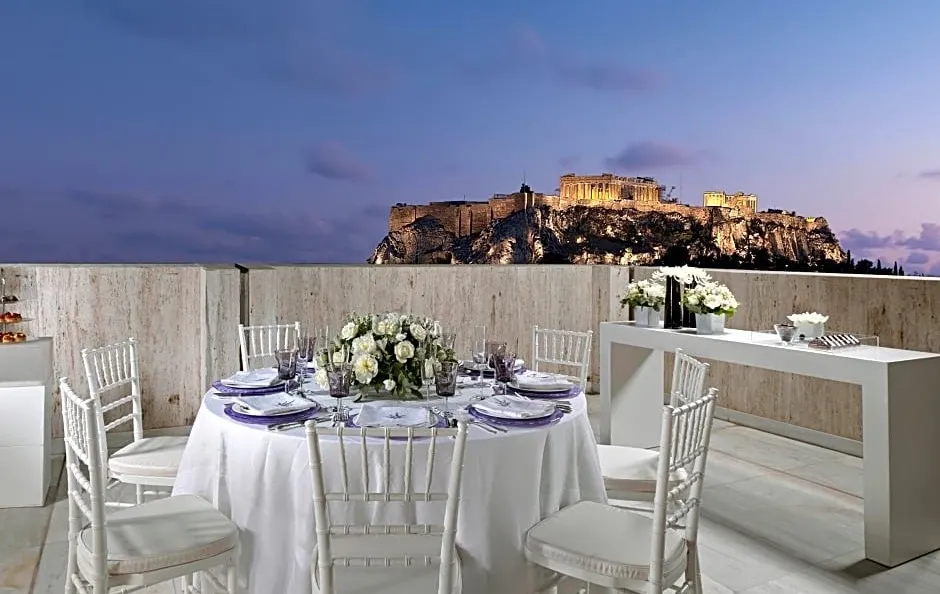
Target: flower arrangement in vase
(647,298)
(392,353)
(711,302)
(809,325)
(676,279)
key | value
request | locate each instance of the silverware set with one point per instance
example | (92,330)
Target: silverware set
(295,424)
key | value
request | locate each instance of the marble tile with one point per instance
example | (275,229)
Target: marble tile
(805,521)
(772,451)
(845,475)
(22,528)
(719,424)
(50,577)
(17,569)
(722,469)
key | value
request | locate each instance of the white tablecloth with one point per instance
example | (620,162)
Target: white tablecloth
(511,481)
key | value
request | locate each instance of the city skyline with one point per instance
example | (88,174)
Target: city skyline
(211,130)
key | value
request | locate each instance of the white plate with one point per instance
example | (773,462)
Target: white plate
(244,410)
(540,389)
(536,409)
(256,378)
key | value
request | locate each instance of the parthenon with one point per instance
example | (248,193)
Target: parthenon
(608,187)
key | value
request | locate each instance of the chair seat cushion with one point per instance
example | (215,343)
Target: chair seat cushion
(632,470)
(396,579)
(160,534)
(150,456)
(602,544)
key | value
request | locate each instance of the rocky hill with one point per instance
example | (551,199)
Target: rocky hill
(595,235)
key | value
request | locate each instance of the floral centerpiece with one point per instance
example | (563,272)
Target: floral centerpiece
(711,302)
(676,279)
(392,352)
(809,325)
(647,297)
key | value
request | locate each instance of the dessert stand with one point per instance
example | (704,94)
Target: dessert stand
(10,320)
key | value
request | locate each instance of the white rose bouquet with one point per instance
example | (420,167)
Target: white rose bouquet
(709,297)
(644,293)
(392,352)
(808,318)
(686,275)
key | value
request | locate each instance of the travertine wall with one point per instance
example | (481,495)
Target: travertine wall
(183,317)
(901,311)
(509,300)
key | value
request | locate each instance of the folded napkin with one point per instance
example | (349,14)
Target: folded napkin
(514,407)
(270,404)
(534,380)
(256,378)
(384,415)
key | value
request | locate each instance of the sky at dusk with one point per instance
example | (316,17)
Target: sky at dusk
(283,130)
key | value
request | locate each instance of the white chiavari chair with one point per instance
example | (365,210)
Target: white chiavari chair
(134,547)
(113,375)
(630,472)
(261,342)
(635,552)
(564,348)
(390,558)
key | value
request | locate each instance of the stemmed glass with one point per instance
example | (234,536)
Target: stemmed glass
(479,356)
(306,352)
(504,363)
(340,377)
(286,365)
(445,384)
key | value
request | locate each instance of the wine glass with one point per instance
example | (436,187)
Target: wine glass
(340,377)
(504,363)
(445,384)
(306,352)
(286,364)
(478,356)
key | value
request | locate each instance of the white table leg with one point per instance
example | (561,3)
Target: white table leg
(901,448)
(632,390)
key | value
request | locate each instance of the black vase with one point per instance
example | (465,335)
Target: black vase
(688,318)
(672,310)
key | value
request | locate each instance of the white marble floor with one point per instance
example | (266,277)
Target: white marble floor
(780,517)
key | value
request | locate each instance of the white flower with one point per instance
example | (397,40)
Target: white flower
(808,318)
(684,274)
(322,359)
(404,350)
(709,297)
(418,331)
(363,344)
(389,385)
(365,367)
(348,331)
(339,357)
(322,378)
(400,337)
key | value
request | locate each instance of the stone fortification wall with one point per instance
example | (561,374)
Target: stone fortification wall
(466,218)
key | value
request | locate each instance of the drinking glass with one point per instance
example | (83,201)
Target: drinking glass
(306,352)
(478,356)
(445,383)
(340,377)
(286,364)
(504,363)
(448,340)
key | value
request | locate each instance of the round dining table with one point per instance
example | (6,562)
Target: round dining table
(511,481)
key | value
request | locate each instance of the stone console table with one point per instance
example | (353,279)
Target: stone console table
(900,416)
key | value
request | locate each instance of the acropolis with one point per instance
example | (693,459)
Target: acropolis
(463,217)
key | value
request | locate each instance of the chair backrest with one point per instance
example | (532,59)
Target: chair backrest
(113,374)
(688,379)
(406,488)
(86,492)
(564,348)
(259,342)
(685,436)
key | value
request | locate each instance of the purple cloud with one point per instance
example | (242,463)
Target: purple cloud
(652,155)
(334,161)
(95,227)
(569,162)
(525,51)
(916,258)
(930,174)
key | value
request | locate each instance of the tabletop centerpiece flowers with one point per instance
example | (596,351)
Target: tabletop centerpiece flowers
(676,279)
(647,298)
(809,325)
(391,353)
(711,302)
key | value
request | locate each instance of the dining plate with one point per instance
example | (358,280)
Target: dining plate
(511,407)
(244,410)
(544,421)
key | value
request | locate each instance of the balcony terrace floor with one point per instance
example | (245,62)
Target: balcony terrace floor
(780,517)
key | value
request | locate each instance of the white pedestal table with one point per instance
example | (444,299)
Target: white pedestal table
(900,416)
